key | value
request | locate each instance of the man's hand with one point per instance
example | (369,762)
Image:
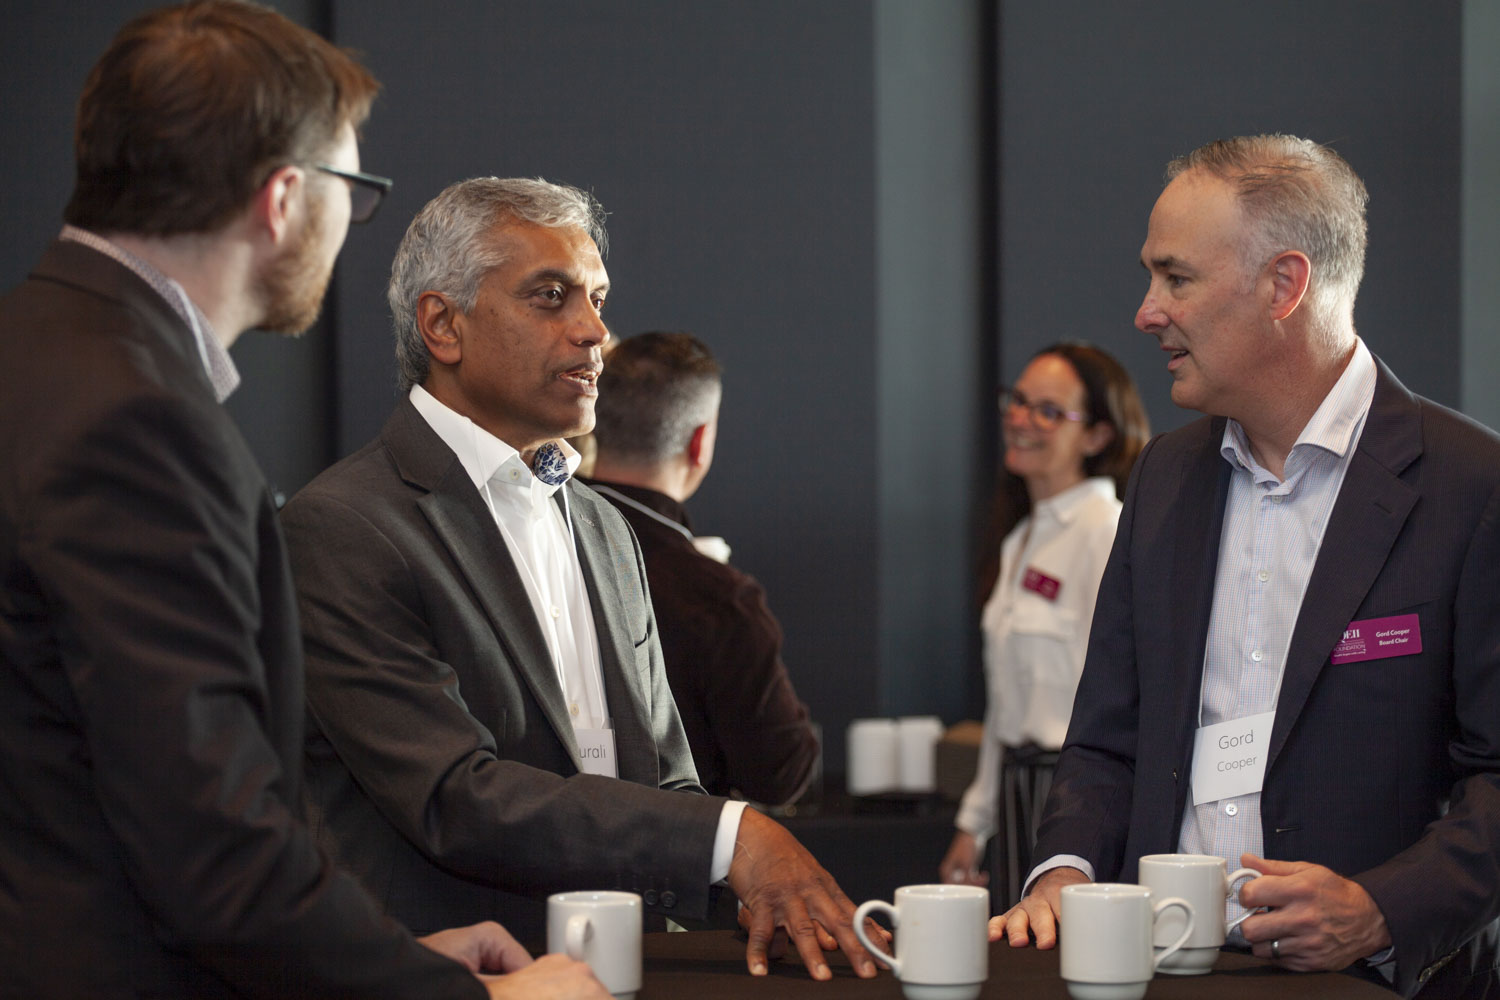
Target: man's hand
(1036,915)
(1319,920)
(485,947)
(960,866)
(780,885)
(551,977)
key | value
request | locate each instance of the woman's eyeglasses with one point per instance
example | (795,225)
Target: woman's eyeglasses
(1045,415)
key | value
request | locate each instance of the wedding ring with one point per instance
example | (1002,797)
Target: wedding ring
(1276,948)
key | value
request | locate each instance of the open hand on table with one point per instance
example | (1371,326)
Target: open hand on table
(1320,920)
(782,887)
(1036,915)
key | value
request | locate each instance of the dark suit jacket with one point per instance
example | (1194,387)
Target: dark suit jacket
(1365,756)
(442,763)
(749,731)
(151,680)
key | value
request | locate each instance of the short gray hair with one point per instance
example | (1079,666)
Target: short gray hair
(1297,195)
(445,249)
(655,390)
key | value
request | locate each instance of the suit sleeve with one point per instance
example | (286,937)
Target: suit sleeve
(147,546)
(1088,809)
(1437,892)
(761,726)
(394,712)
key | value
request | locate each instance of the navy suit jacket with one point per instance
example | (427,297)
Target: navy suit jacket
(1386,771)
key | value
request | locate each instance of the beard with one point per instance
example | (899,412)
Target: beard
(293,285)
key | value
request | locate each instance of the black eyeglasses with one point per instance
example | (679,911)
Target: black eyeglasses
(1047,416)
(365,191)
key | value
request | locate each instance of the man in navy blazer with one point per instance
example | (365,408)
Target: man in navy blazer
(1314,566)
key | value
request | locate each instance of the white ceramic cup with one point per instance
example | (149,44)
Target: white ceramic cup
(874,765)
(1199,879)
(1105,939)
(917,736)
(942,939)
(602,929)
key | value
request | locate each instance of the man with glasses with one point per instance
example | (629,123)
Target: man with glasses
(151,688)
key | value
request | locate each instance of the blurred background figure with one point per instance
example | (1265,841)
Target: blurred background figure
(656,422)
(1073,425)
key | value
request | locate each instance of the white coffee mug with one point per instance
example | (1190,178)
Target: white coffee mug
(1105,939)
(1199,879)
(942,940)
(602,929)
(874,757)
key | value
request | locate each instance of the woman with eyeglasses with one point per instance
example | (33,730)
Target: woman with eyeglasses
(1072,425)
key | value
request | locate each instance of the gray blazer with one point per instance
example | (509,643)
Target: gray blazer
(442,766)
(1386,771)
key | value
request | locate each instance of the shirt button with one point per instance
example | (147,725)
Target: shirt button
(1231,810)
(1277,499)
(1263,576)
(1257,656)
(573,708)
(668,899)
(649,897)
(556,611)
(514,474)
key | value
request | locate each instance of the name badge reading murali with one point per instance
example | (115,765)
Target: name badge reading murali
(1038,582)
(596,752)
(1378,638)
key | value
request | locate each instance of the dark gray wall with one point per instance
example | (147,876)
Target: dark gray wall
(1096,97)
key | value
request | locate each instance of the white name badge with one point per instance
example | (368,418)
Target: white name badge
(596,751)
(1229,759)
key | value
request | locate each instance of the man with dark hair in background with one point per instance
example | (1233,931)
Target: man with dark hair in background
(656,424)
(151,688)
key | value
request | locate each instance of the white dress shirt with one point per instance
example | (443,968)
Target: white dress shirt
(539,539)
(1034,645)
(1268,547)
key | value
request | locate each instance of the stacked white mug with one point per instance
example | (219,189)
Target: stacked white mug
(1106,939)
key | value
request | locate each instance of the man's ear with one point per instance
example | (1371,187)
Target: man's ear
(700,447)
(438,321)
(280,203)
(1290,273)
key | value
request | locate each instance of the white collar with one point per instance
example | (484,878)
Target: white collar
(484,456)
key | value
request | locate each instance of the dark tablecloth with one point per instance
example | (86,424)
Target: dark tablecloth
(688,966)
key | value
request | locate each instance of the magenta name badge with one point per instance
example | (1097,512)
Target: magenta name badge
(1038,582)
(1378,638)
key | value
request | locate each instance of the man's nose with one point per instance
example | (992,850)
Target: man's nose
(1149,318)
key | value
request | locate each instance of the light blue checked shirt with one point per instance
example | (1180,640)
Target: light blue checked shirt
(1271,536)
(222,373)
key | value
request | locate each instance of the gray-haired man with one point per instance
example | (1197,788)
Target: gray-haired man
(482,657)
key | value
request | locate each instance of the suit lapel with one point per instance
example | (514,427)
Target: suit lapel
(1197,525)
(458,517)
(629,709)
(1372,507)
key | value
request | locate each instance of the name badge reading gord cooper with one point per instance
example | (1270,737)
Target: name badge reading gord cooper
(1229,758)
(596,752)
(1378,638)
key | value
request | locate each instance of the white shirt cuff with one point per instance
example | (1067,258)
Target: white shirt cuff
(1058,861)
(729,828)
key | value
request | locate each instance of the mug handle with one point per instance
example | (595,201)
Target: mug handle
(1242,873)
(576,933)
(1187,931)
(864,910)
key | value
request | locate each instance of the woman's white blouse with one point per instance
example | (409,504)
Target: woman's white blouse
(1034,645)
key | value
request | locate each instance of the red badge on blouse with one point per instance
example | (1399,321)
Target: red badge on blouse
(1040,583)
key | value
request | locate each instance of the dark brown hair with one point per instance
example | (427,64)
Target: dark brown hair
(1111,397)
(656,388)
(192,107)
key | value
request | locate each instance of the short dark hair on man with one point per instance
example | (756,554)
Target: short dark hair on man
(192,107)
(654,390)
